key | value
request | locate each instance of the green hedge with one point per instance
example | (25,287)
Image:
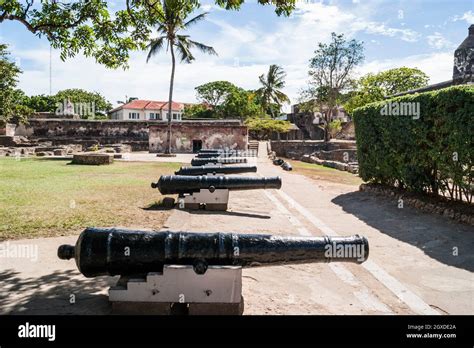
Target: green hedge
(420,154)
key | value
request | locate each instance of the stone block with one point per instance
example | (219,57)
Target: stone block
(92,158)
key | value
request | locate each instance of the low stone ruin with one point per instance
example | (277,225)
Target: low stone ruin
(92,158)
(19,146)
(341,155)
(344,160)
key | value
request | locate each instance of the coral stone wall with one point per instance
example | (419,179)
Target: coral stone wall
(87,132)
(212,134)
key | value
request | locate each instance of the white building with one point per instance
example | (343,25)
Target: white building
(147,110)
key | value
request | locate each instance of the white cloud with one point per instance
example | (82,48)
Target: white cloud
(245,52)
(467,16)
(438,41)
(438,66)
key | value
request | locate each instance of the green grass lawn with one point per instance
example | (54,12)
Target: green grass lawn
(50,197)
(319,172)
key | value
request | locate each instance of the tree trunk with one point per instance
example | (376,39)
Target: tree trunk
(170,101)
(327,136)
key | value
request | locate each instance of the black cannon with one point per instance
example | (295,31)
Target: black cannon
(216,169)
(287,166)
(278,161)
(210,192)
(182,184)
(217,160)
(128,252)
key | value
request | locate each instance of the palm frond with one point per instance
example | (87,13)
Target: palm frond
(195,20)
(203,48)
(155,46)
(184,52)
(281,97)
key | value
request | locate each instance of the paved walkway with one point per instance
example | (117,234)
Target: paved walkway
(411,269)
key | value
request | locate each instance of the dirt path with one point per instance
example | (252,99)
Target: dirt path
(411,268)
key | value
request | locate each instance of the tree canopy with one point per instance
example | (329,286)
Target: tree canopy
(227,100)
(88,104)
(262,127)
(215,93)
(331,73)
(375,87)
(90,27)
(10,96)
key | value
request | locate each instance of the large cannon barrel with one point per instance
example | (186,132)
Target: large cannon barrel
(220,160)
(179,184)
(129,252)
(202,170)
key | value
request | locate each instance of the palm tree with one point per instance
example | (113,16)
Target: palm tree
(171,19)
(270,93)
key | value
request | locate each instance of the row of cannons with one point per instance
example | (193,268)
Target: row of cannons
(206,184)
(165,272)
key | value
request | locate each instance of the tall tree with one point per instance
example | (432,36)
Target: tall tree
(330,72)
(241,104)
(270,94)
(10,97)
(375,87)
(215,94)
(172,18)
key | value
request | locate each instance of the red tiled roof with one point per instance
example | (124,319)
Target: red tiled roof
(149,105)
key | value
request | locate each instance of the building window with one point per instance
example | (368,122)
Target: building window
(175,116)
(133,116)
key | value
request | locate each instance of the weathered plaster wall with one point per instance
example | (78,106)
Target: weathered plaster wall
(87,132)
(213,134)
(140,135)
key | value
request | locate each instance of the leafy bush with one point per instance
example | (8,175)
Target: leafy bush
(335,127)
(261,128)
(433,153)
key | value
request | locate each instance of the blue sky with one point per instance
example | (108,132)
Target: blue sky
(396,33)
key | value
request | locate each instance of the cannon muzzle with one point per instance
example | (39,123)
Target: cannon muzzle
(128,252)
(181,184)
(202,170)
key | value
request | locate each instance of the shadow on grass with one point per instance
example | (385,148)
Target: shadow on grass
(54,158)
(436,236)
(50,294)
(166,203)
